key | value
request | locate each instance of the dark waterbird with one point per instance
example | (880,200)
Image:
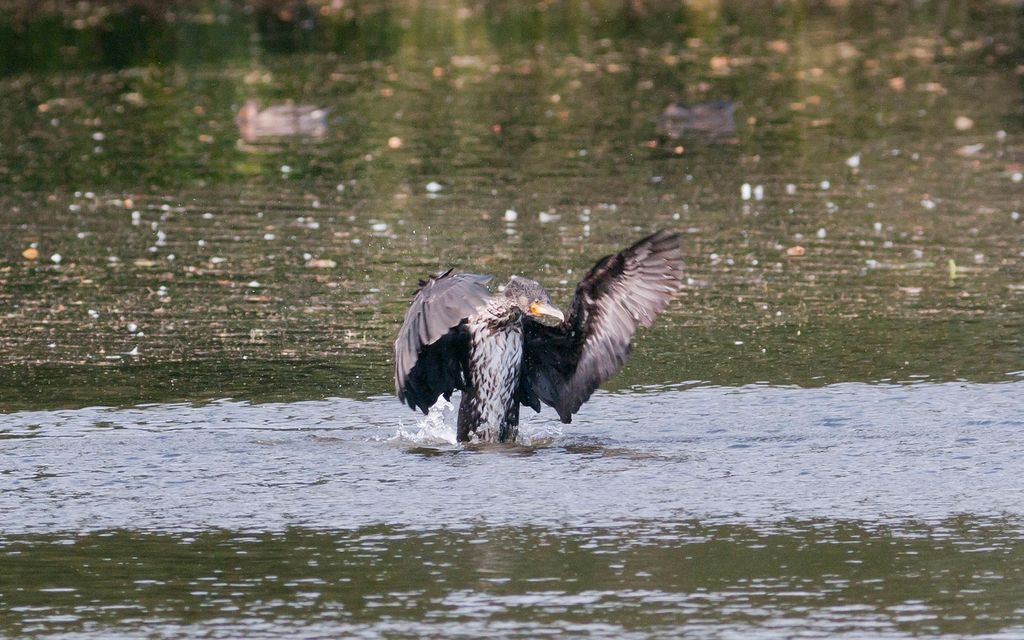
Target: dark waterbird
(516,348)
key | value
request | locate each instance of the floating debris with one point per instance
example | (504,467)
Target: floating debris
(511,215)
(56,258)
(281,121)
(745,191)
(546,217)
(321,263)
(434,187)
(853,161)
(795,251)
(969,150)
(394,142)
(30,253)
(963,123)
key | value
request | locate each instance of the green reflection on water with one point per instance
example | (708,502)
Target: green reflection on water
(546,107)
(959,576)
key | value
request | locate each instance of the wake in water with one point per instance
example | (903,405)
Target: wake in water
(439,428)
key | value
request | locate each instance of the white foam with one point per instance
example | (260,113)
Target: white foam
(437,427)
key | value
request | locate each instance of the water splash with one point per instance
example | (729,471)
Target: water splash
(438,427)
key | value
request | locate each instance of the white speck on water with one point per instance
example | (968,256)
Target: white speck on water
(52,345)
(878,227)
(1015,215)
(675,216)
(759,192)
(56,258)
(171,257)
(113,259)
(307,256)
(1000,135)
(132,327)
(434,187)
(74,208)
(583,153)
(134,352)
(511,215)
(136,218)
(379,226)
(546,217)
(853,161)
(824,184)
(253,284)
(218,260)
(161,238)
(656,179)
(1017,176)
(89,195)
(207,216)
(286,169)
(98,136)
(979,258)
(738,342)
(201,243)
(822,233)
(928,203)
(745,191)
(94,314)
(268,236)
(790,189)
(340,187)
(165,207)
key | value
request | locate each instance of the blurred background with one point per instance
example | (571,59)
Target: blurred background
(237,198)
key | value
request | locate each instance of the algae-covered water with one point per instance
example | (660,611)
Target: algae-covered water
(822,436)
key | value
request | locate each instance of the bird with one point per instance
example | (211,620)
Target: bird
(517,348)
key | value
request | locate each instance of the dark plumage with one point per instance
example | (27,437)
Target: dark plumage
(516,348)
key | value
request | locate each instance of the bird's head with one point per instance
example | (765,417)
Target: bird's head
(533,300)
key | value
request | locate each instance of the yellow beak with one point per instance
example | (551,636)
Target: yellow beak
(546,313)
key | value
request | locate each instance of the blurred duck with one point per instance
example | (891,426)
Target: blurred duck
(281,121)
(710,119)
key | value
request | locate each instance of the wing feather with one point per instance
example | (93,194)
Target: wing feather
(566,364)
(431,347)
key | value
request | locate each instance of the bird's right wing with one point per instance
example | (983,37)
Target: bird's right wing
(432,347)
(565,364)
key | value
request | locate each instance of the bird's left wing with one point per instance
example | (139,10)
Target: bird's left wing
(565,364)
(431,348)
